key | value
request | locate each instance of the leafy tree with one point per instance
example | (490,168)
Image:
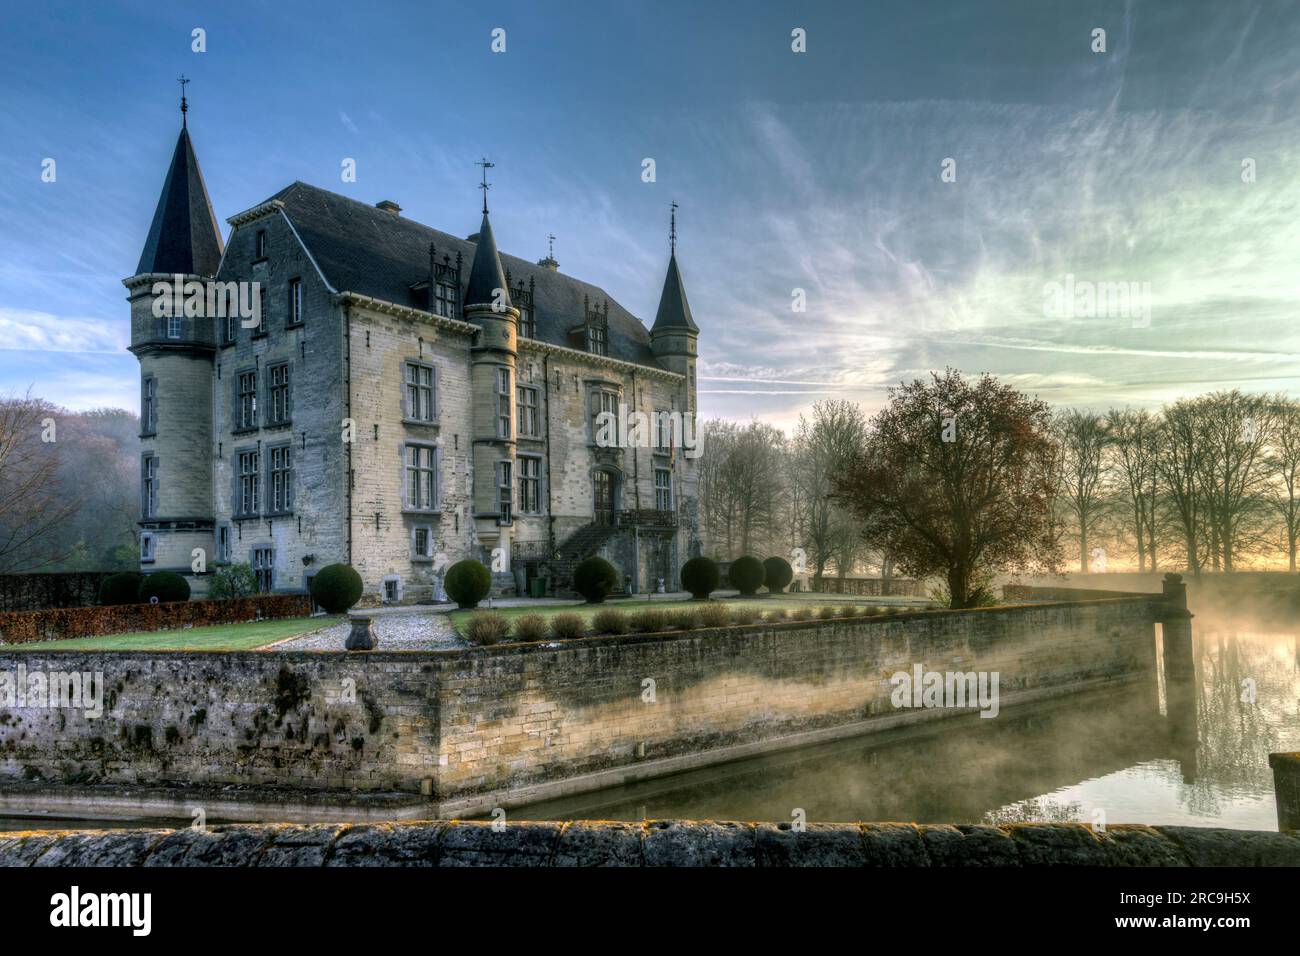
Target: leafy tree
(957,479)
(233,581)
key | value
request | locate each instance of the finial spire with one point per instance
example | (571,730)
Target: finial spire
(672,232)
(183,80)
(485,185)
(550,246)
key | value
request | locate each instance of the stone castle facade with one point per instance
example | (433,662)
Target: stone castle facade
(398,399)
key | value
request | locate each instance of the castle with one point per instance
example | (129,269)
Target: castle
(400,399)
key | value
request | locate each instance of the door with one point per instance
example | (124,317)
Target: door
(603,489)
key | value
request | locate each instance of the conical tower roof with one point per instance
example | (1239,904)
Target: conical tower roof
(674,311)
(184,237)
(486,274)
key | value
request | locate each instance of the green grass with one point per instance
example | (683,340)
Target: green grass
(218,637)
(763,603)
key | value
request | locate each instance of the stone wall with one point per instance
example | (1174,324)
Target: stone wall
(655,843)
(502,725)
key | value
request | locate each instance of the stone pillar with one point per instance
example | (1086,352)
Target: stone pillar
(1286,789)
(1180,673)
(362,636)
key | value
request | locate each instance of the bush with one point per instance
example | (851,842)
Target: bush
(648,620)
(775,616)
(610,621)
(746,574)
(777,574)
(121,588)
(23,627)
(802,613)
(847,610)
(714,615)
(487,627)
(594,578)
(684,620)
(166,586)
(234,581)
(336,587)
(744,615)
(565,627)
(530,627)
(700,576)
(467,582)
(825,612)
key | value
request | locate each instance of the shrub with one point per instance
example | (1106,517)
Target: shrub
(825,612)
(487,627)
(714,615)
(336,587)
(801,613)
(234,581)
(700,576)
(746,574)
(123,588)
(467,582)
(22,627)
(166,586)
(648,620)
(530,627)
(568,626)
(775,616)
(744,615)
(685,619)
(848,610)
(777,574)
(610,621)
(594,578)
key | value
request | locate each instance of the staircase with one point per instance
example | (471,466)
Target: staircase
(580,545)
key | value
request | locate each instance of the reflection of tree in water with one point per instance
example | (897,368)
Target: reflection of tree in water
(1038,810)
(1234,736)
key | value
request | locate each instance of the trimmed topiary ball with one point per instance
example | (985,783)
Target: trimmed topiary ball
(336,587)
(777,574)
(594,578)
(700,576)
(468,582)
(166,586)
(746,575)
(123,588)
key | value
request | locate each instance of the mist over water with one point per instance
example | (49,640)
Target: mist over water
(1114,756)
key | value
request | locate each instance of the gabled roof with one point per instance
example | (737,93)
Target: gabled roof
(184,236)
(674,311)
(366,250)
(486,274)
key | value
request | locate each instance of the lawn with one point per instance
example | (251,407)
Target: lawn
(219,637)
(762,603)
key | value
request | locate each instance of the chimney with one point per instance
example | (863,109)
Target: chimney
(387,205)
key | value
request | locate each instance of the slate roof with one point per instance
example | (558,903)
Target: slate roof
(184,236)
(366,250)
(486,274)
(674,311)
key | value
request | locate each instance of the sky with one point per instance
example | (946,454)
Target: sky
(934,176)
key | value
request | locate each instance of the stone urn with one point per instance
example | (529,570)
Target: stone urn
(362,636)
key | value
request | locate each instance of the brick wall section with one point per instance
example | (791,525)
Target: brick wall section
(656,843)
(492,719)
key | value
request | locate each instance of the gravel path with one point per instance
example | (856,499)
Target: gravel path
(398,629)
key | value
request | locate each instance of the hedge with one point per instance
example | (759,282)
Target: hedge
(33,592)
(56,624)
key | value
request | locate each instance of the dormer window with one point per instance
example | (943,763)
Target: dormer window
(596,328)
(444,299)
(522,299)
(596,341)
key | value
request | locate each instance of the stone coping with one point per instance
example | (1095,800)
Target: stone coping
(596,640)
(658,843)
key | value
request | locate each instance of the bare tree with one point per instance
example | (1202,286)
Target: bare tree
(1234,434)
(1083,438)
(31,506)
(822,448)
(1284,463)
(1134,447)
(1179,467)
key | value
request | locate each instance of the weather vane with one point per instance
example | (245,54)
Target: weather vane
(485,185)
(672,233)
(550,246)
(183,80)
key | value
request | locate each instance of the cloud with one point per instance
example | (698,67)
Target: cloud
(30,330)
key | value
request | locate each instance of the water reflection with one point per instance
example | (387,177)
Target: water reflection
(1199,756)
